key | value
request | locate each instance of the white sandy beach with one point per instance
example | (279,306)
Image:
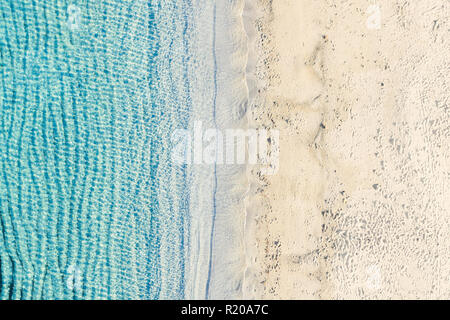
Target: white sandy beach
(360,205)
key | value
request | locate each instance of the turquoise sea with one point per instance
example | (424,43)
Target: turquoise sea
(91,206)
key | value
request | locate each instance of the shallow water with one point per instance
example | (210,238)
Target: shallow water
(92,207)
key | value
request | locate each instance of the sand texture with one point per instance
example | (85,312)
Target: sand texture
(360,205)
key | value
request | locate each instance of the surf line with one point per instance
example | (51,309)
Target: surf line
(208,282)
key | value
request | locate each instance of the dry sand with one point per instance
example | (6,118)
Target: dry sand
(360,205)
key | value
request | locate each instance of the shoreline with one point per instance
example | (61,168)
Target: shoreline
(223,251)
